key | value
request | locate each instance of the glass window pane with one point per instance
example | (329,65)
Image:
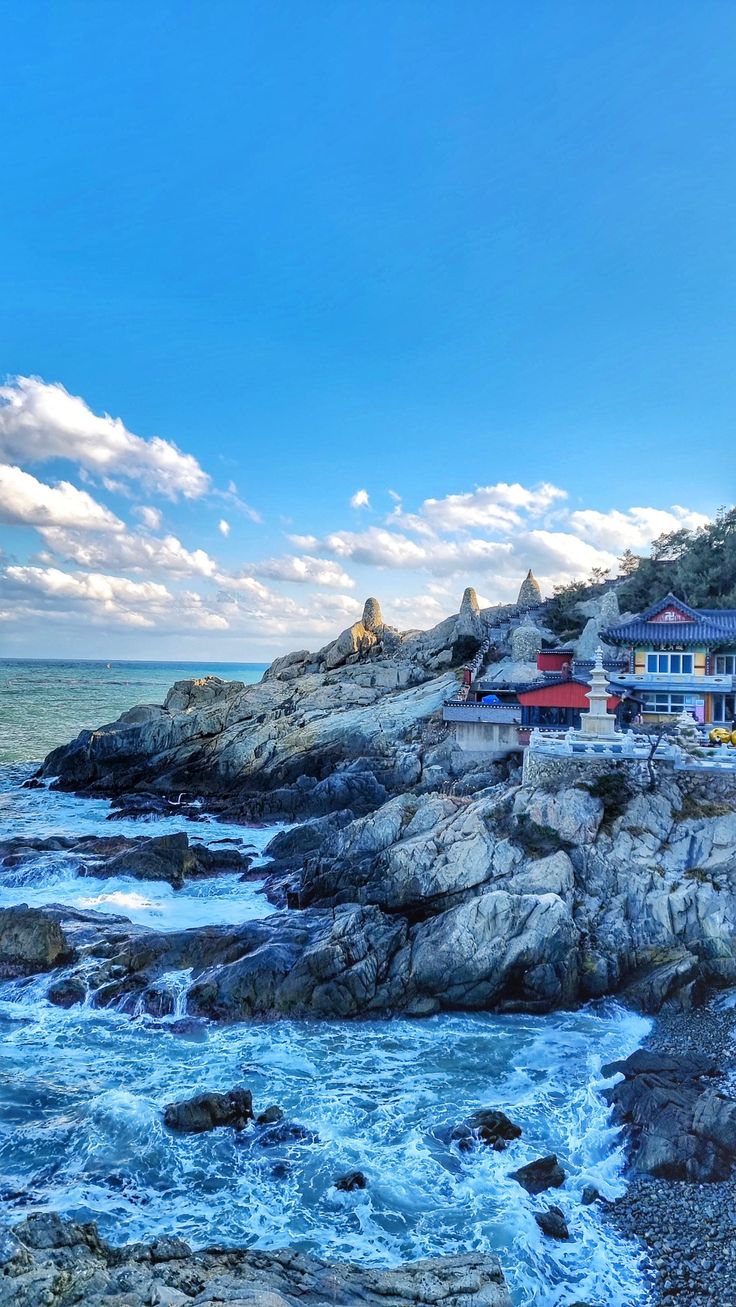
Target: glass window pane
(687,662)
(663,663)
(675,662)
(651,662)
(720,666)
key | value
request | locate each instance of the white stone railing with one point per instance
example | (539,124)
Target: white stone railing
(573,744)
(631,747)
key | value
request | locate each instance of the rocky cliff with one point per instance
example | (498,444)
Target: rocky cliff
(422,881)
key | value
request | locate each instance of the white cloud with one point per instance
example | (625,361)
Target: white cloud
(634,528)
(497,507)
(150,517)
(25,501)
(127,551)
(360,499)
(223,527)
(41,421)
(305,569)
(379,547)
(101,600)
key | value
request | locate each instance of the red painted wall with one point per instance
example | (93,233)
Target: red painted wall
(563,694)
(553,660)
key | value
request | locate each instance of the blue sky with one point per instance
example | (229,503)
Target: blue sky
(475,260)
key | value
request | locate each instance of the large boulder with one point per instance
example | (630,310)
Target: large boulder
(206,1111)
(31,941)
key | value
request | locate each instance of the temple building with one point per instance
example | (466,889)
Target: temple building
(679,659)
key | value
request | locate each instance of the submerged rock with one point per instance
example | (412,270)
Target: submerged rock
(545,1173)
(66,993)
(51,1261)
(208,1111)
(351,1181)
(488,1126)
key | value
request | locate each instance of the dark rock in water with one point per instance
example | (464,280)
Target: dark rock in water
(285,1132)
(172,858)
(187,1028)
(681,1127)
(207,1111)
(270,1116)
(65,993)
(487,1126)
(153,805)
(351,1181)
(32,784)
(31,941)
(545,1173)
(280,1170)
(553,1223)
(46,1259)
(590,1195)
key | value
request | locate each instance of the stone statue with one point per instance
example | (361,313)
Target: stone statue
(526,641)
(372,615)
(530,595)
(468,619)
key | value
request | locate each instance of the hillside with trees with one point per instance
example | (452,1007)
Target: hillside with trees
(698,566)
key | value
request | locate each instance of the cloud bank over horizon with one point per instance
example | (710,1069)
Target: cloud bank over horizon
(111,532)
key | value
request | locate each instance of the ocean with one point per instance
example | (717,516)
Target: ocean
(45,702)
(82,1091)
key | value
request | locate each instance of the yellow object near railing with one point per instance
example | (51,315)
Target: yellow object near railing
(721,735)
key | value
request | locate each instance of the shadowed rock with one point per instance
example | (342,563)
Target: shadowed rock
(545,1173)
(553,1223)
(681,1125)
(208,1111)
(487,1126)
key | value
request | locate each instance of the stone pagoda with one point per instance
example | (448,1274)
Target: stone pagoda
(530,594)
(598,721)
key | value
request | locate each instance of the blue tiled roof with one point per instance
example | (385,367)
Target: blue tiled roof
(706,626)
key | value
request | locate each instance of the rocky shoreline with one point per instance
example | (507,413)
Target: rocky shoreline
(423,880)
(687,1229)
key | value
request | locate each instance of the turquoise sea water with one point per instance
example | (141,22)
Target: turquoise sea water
(44,703)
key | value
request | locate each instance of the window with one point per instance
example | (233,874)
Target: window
(663,703)
(725,665)
(724,708)
(673,664)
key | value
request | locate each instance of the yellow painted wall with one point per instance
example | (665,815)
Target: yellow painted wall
(640,659)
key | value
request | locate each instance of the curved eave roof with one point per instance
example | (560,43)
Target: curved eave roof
(702,631)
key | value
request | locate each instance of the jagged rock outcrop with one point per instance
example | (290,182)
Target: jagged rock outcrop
(682,1126)
(51,1262)
(340,729)
(516,898)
